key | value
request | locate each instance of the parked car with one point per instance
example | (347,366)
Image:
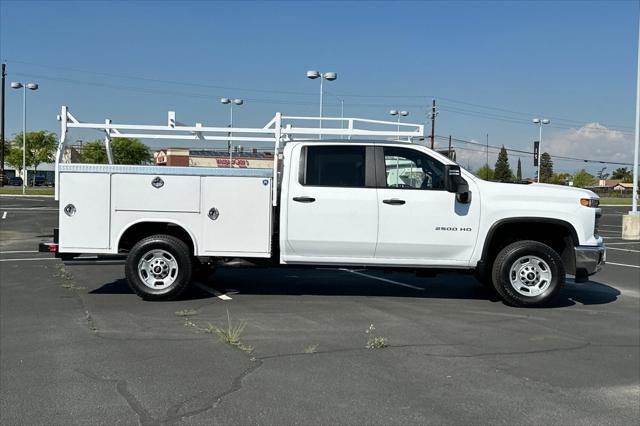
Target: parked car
(39,180)
(5,179)
(15,181)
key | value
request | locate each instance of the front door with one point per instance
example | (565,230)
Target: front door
(420,221)
(332,208)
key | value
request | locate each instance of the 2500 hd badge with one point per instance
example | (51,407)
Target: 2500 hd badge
(451,228)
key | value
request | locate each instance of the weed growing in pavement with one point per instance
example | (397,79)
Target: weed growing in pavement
(373,341)
(311,349)
(186,312)
(67,278)
(231,334)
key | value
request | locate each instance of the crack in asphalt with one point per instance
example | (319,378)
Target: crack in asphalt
(476,355)
(173,414)
(144,418)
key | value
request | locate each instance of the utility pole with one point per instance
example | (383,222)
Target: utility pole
(449,152)
(487,163)
(433,122)
(4,75)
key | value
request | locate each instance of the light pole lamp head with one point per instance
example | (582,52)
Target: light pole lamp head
(404,113)
(32,86)
(238,101)
(536,120)
(330,76)
(16,85)
(393,112)
(546,121)
(225,101)
(313,74)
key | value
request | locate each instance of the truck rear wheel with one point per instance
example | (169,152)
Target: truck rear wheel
(528,273)
(159,267)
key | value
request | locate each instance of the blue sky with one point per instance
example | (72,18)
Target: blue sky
(490,65)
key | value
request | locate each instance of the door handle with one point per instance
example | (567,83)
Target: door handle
(304,199)
(394,202)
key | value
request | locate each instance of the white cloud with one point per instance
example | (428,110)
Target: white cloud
(593,141)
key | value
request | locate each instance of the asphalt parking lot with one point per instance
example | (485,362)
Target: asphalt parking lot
(77,347)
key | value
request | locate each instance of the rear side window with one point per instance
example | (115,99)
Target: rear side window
(338,166)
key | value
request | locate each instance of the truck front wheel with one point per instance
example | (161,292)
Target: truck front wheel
(159,267)
(528,273)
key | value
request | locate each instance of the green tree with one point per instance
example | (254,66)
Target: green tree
(485,172)
(602,174)
(503,171)
(560,178)
(622,173)
(546,167)
(583,179)
(13,157)
(124,150)
(519,171)
(40,148)
(94,153)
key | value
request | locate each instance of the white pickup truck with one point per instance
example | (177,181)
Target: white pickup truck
(359,201)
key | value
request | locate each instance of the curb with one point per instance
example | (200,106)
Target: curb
(27,195)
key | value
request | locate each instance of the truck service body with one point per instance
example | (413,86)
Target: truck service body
(362,201)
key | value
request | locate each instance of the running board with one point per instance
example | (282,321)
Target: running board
(95,260)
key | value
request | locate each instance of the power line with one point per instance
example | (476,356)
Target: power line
(585,160)
(482,114)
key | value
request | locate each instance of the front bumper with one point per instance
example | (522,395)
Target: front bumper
(589,260)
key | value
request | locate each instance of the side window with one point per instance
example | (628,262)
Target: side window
(411,169)
(339,166)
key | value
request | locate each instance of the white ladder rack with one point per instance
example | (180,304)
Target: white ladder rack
(279,130)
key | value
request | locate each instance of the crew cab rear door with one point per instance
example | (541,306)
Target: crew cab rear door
(332,204)
(419,221)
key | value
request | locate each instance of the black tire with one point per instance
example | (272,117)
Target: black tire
(179,267)
(527,253)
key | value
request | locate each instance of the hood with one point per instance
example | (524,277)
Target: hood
(536,190)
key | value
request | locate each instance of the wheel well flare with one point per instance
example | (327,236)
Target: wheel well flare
(140,230)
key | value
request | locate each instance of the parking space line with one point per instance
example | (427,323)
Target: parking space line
(19,251)
(622,264)
(621,249)
(211,291)
(4,215)
(383,279)
(613,226)
(32,258)
(630,242)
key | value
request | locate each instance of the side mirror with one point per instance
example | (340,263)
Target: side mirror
(454,182)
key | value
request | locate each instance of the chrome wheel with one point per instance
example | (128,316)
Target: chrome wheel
(158,269)
(530,276)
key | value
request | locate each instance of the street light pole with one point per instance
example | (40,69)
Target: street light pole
(540,122)
(231,103)
(634,199)
(631,221)
(331,76)
(30,86)
(398,113)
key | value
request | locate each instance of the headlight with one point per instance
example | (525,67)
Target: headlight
(590,202)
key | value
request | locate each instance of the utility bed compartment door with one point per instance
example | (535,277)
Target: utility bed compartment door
(87,224)
(156,193)
(240,225)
